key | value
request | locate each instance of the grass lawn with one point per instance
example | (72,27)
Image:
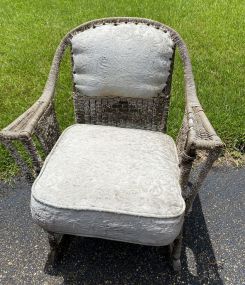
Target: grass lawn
(213,30)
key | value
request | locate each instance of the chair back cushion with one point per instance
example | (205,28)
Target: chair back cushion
(123,60)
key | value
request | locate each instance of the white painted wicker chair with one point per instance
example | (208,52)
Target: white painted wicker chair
(116,174)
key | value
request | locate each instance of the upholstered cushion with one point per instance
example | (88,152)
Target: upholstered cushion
(111,182)
(126,60)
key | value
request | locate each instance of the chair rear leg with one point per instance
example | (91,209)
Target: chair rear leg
(175,250)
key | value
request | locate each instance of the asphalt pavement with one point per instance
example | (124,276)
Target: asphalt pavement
(213,250)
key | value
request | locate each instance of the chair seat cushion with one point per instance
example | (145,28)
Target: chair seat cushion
(112,183)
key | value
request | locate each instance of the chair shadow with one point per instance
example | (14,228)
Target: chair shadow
(97,261)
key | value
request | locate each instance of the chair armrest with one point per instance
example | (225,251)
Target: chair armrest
(201,134)
(37,127)
(23,127)
(25,124)
(196,133)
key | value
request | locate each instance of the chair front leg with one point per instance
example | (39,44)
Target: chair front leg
(54,242)
(175,252)
(191,193)
(203,172)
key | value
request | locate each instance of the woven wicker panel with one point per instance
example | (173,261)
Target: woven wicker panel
(147,114)
(47,129)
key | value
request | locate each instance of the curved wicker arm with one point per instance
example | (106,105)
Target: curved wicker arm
(199,132)
(196,133)
(37,124)
(24,125)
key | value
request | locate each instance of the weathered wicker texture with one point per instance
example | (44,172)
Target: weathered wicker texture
(150,114)
(39,122)
(40,119)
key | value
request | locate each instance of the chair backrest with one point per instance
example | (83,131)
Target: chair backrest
(122,73)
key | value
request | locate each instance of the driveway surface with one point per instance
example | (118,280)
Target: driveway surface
(213,250)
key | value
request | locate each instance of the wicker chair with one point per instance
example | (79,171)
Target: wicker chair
(116,174)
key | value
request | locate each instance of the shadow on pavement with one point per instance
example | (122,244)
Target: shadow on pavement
(97,261)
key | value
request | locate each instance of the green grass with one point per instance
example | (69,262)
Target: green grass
(213,30)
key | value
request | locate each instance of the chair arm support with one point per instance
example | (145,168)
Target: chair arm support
(196,132)
(200,177)
(37,127)
(24,126)
(37,131)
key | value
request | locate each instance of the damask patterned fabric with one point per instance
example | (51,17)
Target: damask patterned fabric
(123,175)
(125,60)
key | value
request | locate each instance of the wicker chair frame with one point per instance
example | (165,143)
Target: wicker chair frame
(39,122)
